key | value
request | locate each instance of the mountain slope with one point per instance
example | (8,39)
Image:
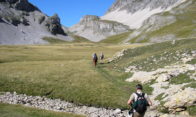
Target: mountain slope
(95,29)
(178,23)
(134,12)
(23,23)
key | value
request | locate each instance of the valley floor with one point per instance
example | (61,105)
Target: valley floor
(66,72)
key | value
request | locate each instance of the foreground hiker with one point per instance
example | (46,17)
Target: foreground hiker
(95,59)
(139,102)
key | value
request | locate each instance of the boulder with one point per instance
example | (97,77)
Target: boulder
(163,78)
(117,111)
(181,100)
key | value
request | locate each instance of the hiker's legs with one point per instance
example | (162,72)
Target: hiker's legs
(95,62)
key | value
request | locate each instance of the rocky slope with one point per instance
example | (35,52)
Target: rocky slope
(134,12)
(23,23)
(170,68)
(95,29)
(178,23)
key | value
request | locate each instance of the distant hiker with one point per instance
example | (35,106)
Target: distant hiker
(139,102)
(95,59)
(102,57)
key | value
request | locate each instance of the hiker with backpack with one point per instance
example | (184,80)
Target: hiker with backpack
(101,57)
(95,59)
(139,102)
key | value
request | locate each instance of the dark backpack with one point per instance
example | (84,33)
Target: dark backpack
(140,105)
(95,57)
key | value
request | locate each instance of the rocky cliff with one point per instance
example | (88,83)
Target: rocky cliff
(95,29)
(23,23)
(134,12)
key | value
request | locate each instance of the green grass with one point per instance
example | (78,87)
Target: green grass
(65,71)
(152,57)
(192,85)
(79,39)
(192,110)
(116,39)
(52,40)
(159,97)
(180,79)
(7,110)
(193,61)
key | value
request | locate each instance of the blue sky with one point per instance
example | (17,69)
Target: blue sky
(71,11)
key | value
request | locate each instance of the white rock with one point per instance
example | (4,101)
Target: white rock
(117,111)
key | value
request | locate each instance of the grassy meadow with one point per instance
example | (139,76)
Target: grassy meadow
(7,110)
(65,71)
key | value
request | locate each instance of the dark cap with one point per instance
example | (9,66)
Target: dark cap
(139,86)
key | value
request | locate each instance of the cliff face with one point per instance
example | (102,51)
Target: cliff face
(95,29)
(134,12)
(23,23)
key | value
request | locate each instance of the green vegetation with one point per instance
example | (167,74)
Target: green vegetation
(52,40)
(152,57)
(192,85)
(182,78)
(7,110)
(116,38)
(159,97)
(79,39)
(193,61)
(192,110)
(161,108)
(65,71)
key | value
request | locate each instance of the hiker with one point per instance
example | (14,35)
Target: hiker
(95,59)
(102,57)
(139,102)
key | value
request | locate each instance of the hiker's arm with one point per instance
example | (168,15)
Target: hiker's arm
(149,102)
(130,101)
(148,99)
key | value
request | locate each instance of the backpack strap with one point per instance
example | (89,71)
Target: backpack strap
(138,95)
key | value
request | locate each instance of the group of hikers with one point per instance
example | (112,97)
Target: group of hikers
(95,58)
(138,101)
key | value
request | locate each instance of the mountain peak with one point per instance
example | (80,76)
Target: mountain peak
(88,18)
(22,5)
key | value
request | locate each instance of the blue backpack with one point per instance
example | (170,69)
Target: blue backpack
(140,105)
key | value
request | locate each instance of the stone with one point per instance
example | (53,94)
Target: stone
(183,98)
(163,78)
(117,111)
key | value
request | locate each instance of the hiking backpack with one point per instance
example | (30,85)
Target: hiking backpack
(140,105)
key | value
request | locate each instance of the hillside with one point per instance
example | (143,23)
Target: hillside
(178,23)
(169,67)
(23,23)
(134,12)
